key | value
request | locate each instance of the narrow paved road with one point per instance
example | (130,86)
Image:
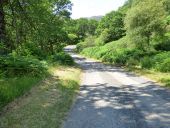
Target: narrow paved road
(112,98)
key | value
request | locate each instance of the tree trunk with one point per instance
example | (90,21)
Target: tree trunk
(2,22)
(3,40)
(51,48)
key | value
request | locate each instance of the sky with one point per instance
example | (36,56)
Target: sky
(88,8)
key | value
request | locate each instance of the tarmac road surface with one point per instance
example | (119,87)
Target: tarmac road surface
(109,97)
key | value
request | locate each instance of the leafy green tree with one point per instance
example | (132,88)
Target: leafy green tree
(144,22)
(33,23)
(114,22)
(85,27)
(92,26)
(128,4)
(3,39)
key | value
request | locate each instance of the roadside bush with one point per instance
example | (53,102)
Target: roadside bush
(123,56)
(163,46)
(90,52)
(108,57)
(103,38)
(131,62)
(158,58)
(136,54)
(100,52)
(164,66)
(80,46)
(159,62)
(118,53)
(146,62)
(73,39)
(63,58)
(19,65)
(95,52)
(117,56)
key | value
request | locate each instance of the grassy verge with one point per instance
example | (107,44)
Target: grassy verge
(11,88)
(162,78)
(47,104)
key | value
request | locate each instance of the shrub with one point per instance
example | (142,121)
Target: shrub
(111,55)
(80,46)
(132,62)
(164,66)
(117,52)
(122,56)
(136,54)
(146,62)
(63,58)
(95,52)
(158,58)
(99,52)
(72,38)
(90,41)
(103,38)
(89,51)
(18,65)
(163,46)
(160,62)
(108,57)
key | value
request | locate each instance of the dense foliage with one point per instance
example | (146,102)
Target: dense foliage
(62,58)
(81,28)
(17,66)
(137,34)
(143,25)
(30,31)
(32,36)
(33,25)
(113,25)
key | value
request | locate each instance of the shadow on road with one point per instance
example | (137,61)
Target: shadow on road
(106,105)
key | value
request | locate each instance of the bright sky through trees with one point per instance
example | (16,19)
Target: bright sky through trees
(88,8)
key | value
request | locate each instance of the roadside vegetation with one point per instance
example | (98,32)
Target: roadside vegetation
(38,81)
(47,104)
(136,36)
(20,74)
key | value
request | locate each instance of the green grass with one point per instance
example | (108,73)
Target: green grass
(47,104)
(11,88)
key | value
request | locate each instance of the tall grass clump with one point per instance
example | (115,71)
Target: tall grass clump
(11,88)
